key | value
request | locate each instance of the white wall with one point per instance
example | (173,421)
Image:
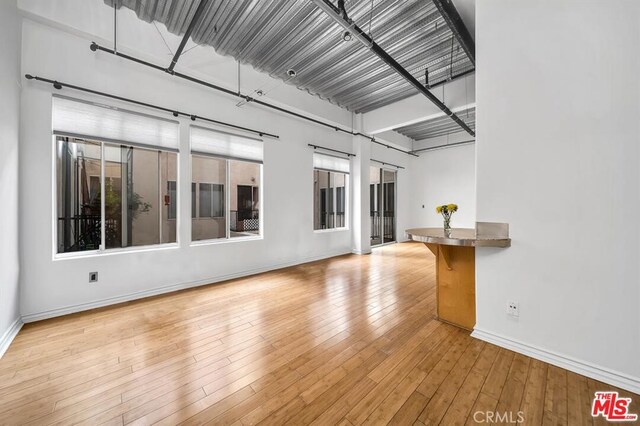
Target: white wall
(9,125)
(439,177)
(53,287)
(558,100)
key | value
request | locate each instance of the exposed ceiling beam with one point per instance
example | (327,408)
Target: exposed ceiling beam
(187,34)
(340,16)
(459,30)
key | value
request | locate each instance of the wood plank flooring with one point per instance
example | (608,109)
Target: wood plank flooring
(346,341)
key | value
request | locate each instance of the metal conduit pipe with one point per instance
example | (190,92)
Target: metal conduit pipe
(59,85)
(338,16)
(96,47)
(447,145)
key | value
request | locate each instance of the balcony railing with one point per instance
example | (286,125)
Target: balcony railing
(388,225)
(83,232)
(330,220)
(245,221)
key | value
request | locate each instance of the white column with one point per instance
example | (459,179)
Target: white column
(361,235)
(183,188)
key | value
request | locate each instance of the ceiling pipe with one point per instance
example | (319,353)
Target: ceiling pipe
(187,34)
(447,145)
(96,47)
(457,27)
(337,15)
(384,163)
(176,113)
(348,154)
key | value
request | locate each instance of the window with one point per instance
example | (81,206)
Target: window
(211,200)
(330,180)
(221,160)
(112,194)
(132,212)
(245,198)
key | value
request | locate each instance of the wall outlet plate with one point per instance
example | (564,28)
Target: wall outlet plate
(513,308)
(93,277)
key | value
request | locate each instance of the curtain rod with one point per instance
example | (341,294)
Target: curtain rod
(384,163)
(449,145)
(95,47)
(59,85)
(348,154)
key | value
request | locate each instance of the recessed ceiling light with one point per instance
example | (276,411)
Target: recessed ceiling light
(291,72)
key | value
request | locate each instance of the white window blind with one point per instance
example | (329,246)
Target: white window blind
(74,117)
(225,144)
(330,162)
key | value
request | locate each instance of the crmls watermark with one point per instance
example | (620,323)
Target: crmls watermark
(498,417)
(612,407)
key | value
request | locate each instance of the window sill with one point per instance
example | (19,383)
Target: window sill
(109,252)
(225,241)
(326,231)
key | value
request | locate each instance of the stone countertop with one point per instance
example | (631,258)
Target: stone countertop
(465,237)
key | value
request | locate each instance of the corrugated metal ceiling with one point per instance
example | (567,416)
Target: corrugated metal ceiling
(438,126)
(276,35)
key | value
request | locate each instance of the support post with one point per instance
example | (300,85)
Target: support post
(361,243)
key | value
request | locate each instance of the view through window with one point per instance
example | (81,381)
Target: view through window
(330,181)
(137,205)
(226,174)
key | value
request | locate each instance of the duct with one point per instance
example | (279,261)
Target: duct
(276,35)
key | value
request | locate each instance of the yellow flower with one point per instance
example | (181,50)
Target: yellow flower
(439,209)
(452,207)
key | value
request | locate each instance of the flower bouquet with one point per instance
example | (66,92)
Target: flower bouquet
(446,210)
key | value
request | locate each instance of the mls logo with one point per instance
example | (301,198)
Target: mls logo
(613,408)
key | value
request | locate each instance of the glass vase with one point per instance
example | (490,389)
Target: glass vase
(447,227)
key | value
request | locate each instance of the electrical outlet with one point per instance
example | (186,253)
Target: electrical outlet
(513,308)
(93,277)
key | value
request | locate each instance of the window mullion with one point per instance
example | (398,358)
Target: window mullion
(335,201)
(103,196)
(227,199)
(160,203)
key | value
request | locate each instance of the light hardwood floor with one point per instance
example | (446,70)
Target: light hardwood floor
(349,340)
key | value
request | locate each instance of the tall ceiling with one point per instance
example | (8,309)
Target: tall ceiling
(275,36)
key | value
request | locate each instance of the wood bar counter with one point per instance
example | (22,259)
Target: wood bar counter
(456,266)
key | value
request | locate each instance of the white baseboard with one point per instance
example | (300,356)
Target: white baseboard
(593,371)
(38,316)
(9,335)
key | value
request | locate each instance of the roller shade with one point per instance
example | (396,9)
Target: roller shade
(330,162)
(225,144)
(72,117)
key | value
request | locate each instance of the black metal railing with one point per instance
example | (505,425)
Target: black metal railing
(387,228)
(83,232)
(245,220)
(330,220)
